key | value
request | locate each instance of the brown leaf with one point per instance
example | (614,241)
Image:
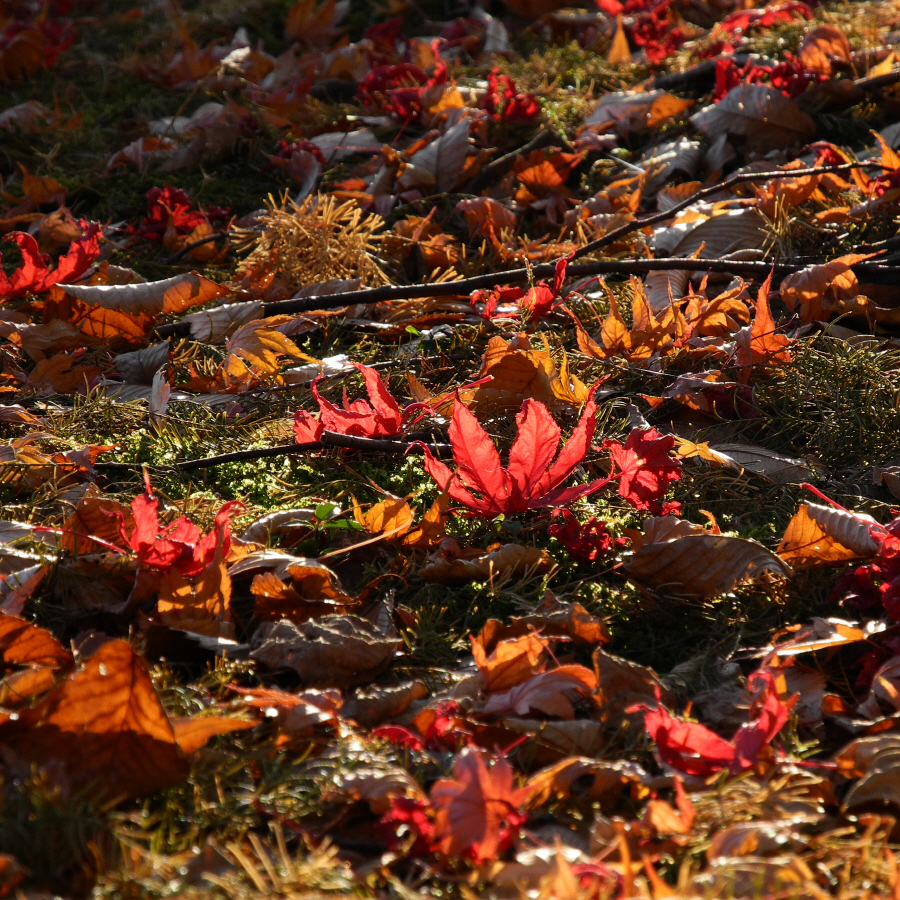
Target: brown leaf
(760,116)
(619,52)
(822,634)
(607,780)
(471,808)
(194,732)
(152,298)
(622,684)
(95,516)
(510,663)
(517,372)
(24,644)
(390,518)
(261,344)
(551,693)
(553,621)
(703,565)
(298,603)
(875,761)
(371,706)
(822,536)
(552,741)
(431,530)
(816,291)
(103,726)
(334,651)
(500,563)
(821,47)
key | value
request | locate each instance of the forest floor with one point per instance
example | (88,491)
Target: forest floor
(299,300)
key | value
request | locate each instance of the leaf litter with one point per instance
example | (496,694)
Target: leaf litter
(449,451)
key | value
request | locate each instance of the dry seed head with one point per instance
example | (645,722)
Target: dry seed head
(317,240)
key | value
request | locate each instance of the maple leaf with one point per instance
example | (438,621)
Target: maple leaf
(477,812)
(380,417)
(758,343)
(695,750)
(587,542)
(181,545)
(646,469)
(34,277)
(533,304)
(532,480)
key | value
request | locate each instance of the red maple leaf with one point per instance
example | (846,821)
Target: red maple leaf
(505,103)
(646,469)
(34,277)
(181,545)
(380,417)
(170,208)
(695,750)
(534,303)
(531,480)
(478,811)
(584,542)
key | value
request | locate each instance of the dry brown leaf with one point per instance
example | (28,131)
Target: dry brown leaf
(95,516)
(500,563)
(551,741)
(103,726)
(761,117)
(822,634)
(816,291)
(622,684)
(608,780)
(822,536)
(24,644)
(389,518)
(313,590)
(517,372)
(372,706)
(194,732)
(152,298)
(619,52)
(551,693)
(510,662)
(821,47)
(336,651)
(261,344)
(552,621)
(875,761)
(432,529)
(703,565)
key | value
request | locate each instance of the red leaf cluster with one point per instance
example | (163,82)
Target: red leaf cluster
(34,276)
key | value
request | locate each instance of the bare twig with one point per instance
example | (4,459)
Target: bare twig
(466,286)
(329,439)
(188,247)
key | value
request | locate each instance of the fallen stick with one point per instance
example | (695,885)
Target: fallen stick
(329,439)
(466,286)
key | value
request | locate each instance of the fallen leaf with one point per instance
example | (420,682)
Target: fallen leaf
(703,565)
(761,117)
(477,811)
(498,564)
(153,298)
(103,726)
(331,650)
(823,536)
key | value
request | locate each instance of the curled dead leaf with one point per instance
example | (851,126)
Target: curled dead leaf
(152,298)
(500,563)
(703,565)
(823,536)
(332,650)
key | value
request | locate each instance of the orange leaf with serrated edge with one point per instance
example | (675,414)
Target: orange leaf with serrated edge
(822,536)
(510,663)
(103,726)
(194,732)
(477,811)
(24,644)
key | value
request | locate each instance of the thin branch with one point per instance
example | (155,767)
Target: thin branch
(329,439)
(737,178)
(188,247)
(466,286)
